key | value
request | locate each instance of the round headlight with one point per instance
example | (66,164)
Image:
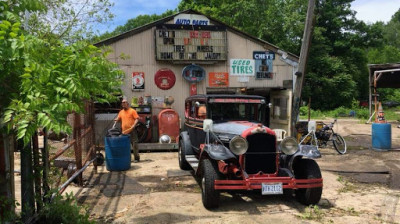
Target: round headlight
(238,145)
(289,146)
(165,139)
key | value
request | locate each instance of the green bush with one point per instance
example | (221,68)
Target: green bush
(64,210)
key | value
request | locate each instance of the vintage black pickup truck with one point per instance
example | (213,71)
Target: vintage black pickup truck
(228,147)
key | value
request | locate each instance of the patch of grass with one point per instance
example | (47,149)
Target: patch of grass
(312,213)
(351,211)
(347,186)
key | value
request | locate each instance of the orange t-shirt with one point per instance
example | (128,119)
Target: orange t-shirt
(127,117)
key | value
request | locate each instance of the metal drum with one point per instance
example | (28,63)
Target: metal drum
(381,136)
(118,152)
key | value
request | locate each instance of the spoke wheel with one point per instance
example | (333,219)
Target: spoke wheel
(339,143)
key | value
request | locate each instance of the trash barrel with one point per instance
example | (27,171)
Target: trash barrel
(118,152)
(381,136)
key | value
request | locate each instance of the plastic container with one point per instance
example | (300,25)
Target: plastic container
(118,153)
(381,136)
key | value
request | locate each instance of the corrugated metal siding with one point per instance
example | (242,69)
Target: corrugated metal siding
(141,50)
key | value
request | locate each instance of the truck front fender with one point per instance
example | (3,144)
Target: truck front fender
(218,152)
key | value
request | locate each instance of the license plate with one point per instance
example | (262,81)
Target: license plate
(271,188)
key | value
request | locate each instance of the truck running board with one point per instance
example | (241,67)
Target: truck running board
(193,162)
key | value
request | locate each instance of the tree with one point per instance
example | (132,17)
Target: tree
(68,20)
(43,79)
(132,24)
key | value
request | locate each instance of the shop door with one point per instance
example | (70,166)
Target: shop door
(280,110)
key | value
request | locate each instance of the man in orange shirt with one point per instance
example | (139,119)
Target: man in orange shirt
(129,118)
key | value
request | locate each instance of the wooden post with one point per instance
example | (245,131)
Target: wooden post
(27,194)
(305,46)
(7,191)
(46,165)
(37,168)
(93,124)
(78,145)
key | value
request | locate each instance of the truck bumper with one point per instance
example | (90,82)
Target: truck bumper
(255,183)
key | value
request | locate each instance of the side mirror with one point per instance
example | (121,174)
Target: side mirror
(207,125)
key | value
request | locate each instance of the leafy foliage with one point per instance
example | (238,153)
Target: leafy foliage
(64,210)
(46,79)
(132,24)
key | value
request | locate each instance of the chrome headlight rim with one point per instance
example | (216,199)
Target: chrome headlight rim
(289,146)
(238,145)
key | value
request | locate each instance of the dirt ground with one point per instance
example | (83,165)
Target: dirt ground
(362,186)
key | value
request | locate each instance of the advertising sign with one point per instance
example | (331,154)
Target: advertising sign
(187,43)
(241,67)
(137,81)
(263,63)
(191,19)
(164,78)
(193,73)
(218,79)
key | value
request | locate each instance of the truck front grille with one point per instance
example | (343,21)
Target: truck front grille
(261,155)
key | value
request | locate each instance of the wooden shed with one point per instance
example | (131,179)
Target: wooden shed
(189,53)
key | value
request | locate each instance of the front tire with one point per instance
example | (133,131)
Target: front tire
(307,169)
(339,143)
(183,164)
(209,195)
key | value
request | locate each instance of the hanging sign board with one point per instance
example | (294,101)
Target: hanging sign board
(193,73)
(137,81)
(190,43)
(164,79)
(263,64)
(241,67)
(218,79)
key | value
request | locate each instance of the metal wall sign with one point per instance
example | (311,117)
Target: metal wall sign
(137,81)
(193,73)
(218,79)
(164,78)
(263,64)
(191,19)
(190,43)
(241,67)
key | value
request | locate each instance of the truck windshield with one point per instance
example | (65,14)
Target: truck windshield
(236,111)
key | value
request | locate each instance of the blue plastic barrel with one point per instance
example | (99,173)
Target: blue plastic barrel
(381,136)
(118,153)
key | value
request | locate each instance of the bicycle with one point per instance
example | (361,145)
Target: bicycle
(323,136)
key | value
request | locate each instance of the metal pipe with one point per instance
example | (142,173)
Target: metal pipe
(63,149)
(65,185)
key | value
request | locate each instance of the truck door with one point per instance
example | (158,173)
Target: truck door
(280,111)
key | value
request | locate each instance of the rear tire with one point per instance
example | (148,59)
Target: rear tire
(209,195)
(307,169)
(339,143)
(141,130)
(183,164)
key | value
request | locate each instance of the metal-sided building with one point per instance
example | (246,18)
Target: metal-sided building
(189,53)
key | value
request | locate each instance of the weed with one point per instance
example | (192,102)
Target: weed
(352,211)
(312,213)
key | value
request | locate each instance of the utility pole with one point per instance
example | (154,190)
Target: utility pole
(305,46)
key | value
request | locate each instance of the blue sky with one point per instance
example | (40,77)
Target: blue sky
(367,10)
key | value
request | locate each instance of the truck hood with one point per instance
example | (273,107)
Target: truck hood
(234,127)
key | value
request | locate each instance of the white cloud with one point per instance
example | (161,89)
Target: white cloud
(371,11)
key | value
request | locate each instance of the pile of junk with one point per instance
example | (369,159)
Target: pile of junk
(158,127)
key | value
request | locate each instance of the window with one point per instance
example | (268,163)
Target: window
(280,110)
